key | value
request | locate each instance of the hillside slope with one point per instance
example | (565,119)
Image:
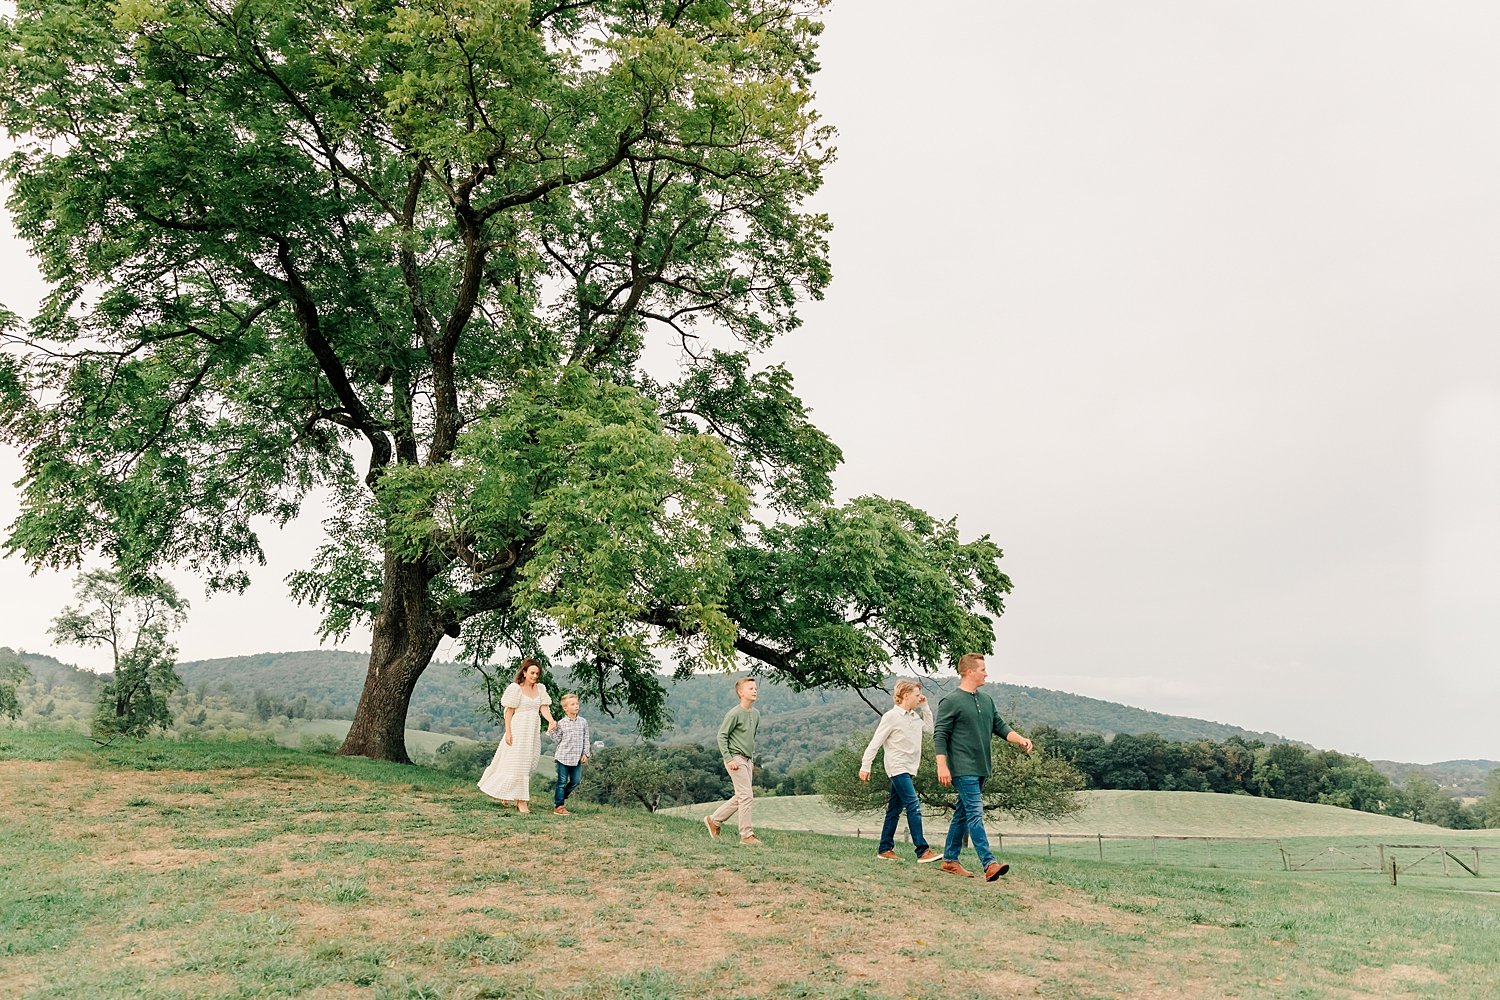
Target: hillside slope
(798,726)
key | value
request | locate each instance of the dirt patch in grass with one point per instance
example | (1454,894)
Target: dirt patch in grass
(165,858)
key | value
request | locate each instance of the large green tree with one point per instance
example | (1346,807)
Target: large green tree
(488,279)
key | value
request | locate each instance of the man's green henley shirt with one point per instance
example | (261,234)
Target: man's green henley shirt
(962,730)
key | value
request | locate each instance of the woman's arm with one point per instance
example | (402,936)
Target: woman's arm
(546,709)
(509,714)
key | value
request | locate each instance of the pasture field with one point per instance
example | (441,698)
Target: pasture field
(216,869)
(1140,814)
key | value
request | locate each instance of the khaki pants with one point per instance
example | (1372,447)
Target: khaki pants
(744,797)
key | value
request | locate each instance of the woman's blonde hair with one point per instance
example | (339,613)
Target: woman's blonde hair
(904,685)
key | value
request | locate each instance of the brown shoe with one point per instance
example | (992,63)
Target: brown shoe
(927,856)
(954,868)
(561,811)
(752,841)
(713,828)
(994,870)
(887,855)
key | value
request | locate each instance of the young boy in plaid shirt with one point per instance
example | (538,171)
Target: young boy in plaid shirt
(572,737)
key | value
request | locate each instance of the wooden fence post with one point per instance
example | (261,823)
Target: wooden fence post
(1101,845)
(1381,849)
(1393,871)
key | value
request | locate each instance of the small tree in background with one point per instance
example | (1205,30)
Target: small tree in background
(12,673)
(632,775)
(1022,786)
(135,618)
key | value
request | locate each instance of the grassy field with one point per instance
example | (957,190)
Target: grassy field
(247,870)
(1138,814)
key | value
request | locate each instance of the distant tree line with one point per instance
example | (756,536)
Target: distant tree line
(1238,766)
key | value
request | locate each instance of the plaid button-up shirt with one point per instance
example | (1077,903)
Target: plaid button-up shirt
(572,737)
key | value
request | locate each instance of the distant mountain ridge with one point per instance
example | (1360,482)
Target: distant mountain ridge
(799,726)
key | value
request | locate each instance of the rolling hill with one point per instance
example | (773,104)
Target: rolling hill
(799,728)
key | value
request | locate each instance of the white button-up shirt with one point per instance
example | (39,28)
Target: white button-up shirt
(900,732)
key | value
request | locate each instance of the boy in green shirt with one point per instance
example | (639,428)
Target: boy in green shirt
(966,719)
(737,747)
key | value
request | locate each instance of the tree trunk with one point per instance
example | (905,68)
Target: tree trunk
(406,633)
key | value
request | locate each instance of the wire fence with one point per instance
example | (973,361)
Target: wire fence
(1462,861)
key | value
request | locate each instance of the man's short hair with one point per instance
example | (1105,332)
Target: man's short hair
(904,685)
(739,685)
(970,661)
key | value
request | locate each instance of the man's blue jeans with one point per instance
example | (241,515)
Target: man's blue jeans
(903,797)
(968,816)
(568,777)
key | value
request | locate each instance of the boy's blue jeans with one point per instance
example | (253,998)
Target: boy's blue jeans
(968,816)
(903,797)
(568,777)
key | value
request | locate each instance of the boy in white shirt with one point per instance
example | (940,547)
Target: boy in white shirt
(900,732)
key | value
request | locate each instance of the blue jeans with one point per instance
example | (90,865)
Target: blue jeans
(968,816)
(568,777)
(903,797)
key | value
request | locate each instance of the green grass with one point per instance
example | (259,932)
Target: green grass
(249,870)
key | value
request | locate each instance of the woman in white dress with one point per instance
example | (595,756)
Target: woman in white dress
(526,703)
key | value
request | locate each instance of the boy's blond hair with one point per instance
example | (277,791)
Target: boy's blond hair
(970,661)
(739,685)
(904,685)
(567,697)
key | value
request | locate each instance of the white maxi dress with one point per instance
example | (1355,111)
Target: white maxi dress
(509,775)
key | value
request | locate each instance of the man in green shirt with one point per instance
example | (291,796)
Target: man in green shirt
(737,747)
(966,719)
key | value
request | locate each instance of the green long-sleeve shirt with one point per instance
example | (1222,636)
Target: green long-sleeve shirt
(737,733)
(961,733)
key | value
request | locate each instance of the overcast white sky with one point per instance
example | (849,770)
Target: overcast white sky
(1192,307)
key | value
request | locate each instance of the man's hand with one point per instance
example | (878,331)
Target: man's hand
(584,759)
(945,776)
(864,776)
(733,765)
